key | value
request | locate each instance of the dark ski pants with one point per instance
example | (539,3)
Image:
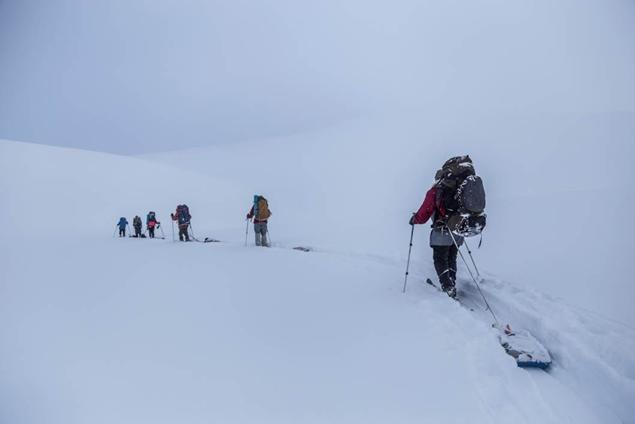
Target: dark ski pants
(122,232)
(445,264)
(151,232)
(183,235)
(137,231)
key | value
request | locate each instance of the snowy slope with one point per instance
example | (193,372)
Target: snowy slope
(101,330)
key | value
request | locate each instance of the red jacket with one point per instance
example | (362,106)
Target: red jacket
(429,206)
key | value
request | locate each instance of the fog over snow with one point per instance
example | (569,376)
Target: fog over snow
(140,76)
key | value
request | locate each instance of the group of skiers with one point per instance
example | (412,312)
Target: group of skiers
(137,224)
(259,212)
(182,215)
(455,203)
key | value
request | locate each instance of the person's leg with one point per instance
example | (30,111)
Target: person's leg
(257,234)
(263,230)
(122,232)
(440,255)
(186,233)
(452,262)
(181,236)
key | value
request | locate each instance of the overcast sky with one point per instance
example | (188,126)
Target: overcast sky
(134,76)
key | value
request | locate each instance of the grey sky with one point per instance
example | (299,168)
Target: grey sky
(132,76)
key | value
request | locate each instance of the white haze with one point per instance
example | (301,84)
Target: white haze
(141,76)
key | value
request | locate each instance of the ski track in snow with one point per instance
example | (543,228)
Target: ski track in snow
(104,330)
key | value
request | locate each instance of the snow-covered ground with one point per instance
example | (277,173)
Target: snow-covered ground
(99,329)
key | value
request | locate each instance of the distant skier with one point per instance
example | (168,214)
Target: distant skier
(183,217)
(137,224)
(152,223)
(122,224)
(260,213)
(443,204)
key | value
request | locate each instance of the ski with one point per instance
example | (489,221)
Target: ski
(303,249)
(205,240)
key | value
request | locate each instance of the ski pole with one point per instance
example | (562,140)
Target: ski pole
(192,231)
(173,239)
(478,286)
(478,274)
(162,233)
(268,238)
(412,233)
(246,231)
(114,232)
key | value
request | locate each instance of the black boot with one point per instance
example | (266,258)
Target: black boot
(447,283)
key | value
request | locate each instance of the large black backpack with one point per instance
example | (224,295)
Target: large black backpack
(183,214)
(466,205)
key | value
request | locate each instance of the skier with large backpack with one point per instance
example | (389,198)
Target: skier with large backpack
(152,223)
(260,213)
(122,224)
(137,224)
(183,217)
(456,204)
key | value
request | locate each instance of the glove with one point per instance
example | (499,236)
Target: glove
(412,220)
